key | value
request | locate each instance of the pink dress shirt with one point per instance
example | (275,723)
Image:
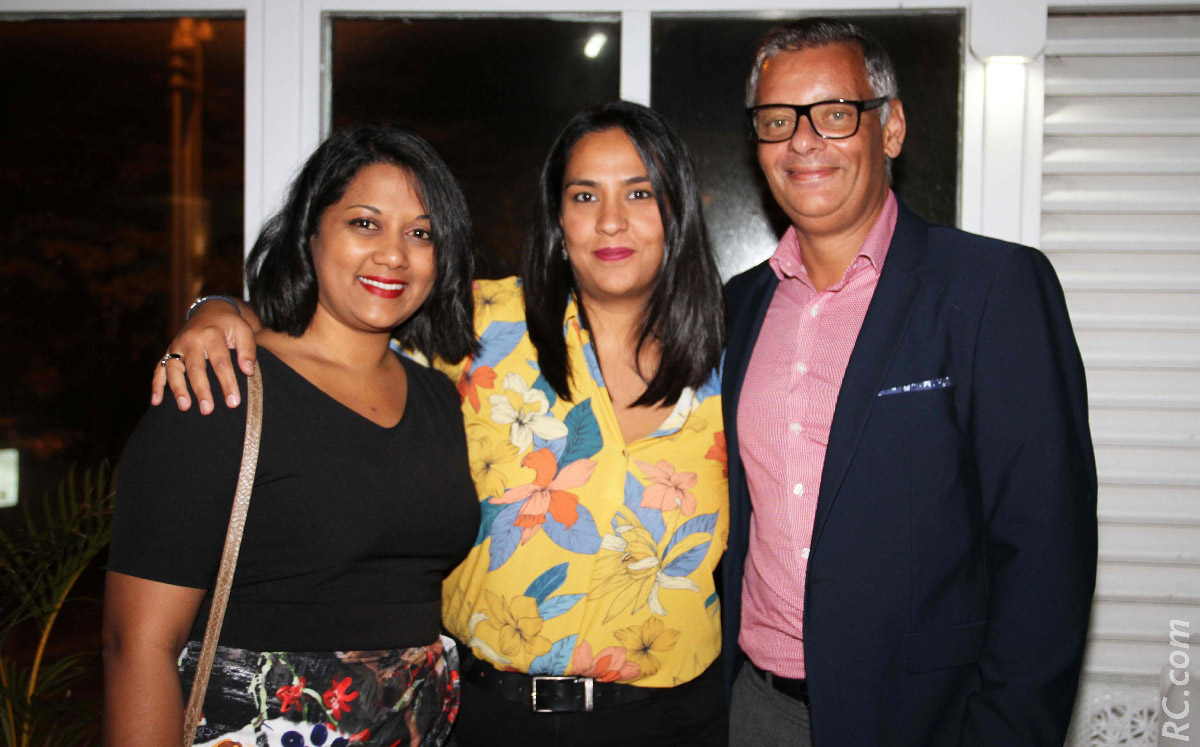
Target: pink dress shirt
(784,414)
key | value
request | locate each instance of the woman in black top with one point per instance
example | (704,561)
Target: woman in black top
(362,499)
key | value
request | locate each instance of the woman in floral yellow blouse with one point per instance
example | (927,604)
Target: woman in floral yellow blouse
(587,606)
(593,418)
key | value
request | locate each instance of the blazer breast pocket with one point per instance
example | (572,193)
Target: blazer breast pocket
(919,418)
(927,385)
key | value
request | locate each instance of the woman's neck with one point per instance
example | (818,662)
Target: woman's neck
(615,328)
(614,322)
(331,343)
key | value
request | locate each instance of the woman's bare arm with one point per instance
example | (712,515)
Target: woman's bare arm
(214,328)
(146,625)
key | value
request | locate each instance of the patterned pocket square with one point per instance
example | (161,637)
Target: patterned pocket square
(919,386)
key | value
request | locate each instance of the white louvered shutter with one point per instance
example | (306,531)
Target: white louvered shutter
(1121,222)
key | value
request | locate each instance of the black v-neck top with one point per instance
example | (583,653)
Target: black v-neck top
(352,526)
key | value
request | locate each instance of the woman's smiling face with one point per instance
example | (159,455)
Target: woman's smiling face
(373,252)
(610,219)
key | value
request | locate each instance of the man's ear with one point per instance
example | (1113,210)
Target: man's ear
(894,129)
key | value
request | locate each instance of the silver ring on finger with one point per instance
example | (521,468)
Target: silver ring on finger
(169,357)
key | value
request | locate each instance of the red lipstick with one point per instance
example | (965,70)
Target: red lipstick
(383,287)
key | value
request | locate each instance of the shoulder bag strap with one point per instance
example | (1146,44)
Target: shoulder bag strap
(233,543)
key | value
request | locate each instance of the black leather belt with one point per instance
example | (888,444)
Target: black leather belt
(797,689)
(549,694)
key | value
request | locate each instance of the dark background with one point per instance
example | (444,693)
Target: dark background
(490,94)
(85,171)
(84,227)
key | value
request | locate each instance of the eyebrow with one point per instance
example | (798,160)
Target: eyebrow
(377,211)
(591,183)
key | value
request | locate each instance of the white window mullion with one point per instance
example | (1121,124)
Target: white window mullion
(1031,157)
(970,178)
(279,139)
(1007,38)
(255,147)
(635,56)
(314,89)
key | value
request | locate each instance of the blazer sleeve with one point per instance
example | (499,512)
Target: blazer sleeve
(1037,478)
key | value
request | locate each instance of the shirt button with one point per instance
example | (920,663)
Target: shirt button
(814,310)
(798,489)
(801,369)
(804,553)
(795,427)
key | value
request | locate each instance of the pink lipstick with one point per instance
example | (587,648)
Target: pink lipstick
(613,253)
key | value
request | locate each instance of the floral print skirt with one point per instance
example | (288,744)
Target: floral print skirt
(395,698)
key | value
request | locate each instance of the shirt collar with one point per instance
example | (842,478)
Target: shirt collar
(786,262)
(572,320)
(572,311)
(688,399)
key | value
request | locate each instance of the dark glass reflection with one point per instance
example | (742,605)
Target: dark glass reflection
(110,173)
(85,225)
(699,67)
(489,93)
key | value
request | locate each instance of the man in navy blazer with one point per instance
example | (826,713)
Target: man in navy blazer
(943,594)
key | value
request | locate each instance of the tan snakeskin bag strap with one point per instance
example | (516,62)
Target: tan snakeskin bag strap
(233,543)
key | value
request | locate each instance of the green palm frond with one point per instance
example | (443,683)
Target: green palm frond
(52,706)
(39,566)
(38,569)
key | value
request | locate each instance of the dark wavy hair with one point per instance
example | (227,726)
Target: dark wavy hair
(685,314)
(280,272)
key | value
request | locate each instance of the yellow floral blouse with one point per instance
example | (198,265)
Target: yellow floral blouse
(594,557)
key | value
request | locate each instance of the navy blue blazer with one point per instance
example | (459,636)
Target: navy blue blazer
(953,557)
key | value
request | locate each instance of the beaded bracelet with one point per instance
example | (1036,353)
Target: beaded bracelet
(227,299)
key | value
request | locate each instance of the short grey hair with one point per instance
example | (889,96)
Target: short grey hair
(808,33)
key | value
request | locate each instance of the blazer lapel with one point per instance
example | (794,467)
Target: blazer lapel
(743,334)
(878,340)
(746,322)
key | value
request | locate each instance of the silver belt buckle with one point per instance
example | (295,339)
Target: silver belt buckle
(587,690)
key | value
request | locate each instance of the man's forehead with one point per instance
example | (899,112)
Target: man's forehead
(837,54)
(837,65)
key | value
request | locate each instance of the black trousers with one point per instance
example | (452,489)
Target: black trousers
(689,715)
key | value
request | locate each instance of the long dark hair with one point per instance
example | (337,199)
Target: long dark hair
(685,313)
(280,272)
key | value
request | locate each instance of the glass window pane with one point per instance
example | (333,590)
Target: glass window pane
(699,68)
(100,210)
(490,93)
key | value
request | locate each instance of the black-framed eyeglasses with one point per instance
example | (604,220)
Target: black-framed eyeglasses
(833,120)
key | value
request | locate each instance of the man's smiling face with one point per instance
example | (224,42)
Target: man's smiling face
(827,186)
